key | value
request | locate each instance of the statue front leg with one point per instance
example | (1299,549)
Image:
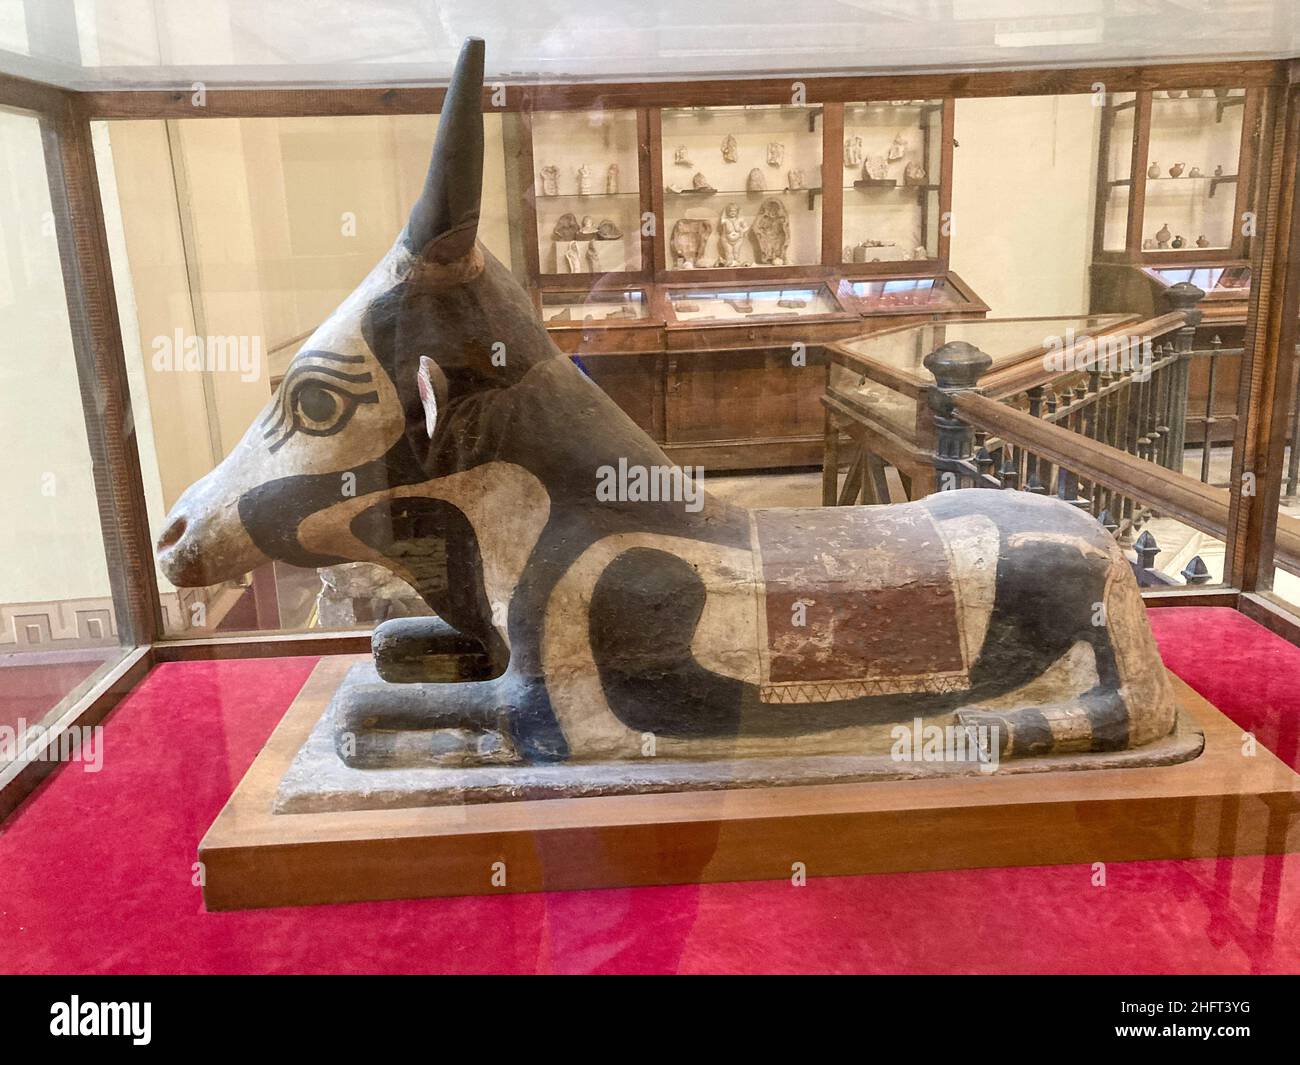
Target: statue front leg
(381,725)
(427,649)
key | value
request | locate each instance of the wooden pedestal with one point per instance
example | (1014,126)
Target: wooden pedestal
(1223,802)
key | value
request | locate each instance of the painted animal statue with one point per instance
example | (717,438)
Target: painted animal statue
(431,426)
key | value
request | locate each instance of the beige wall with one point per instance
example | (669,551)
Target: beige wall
(50,542)
(1022,196)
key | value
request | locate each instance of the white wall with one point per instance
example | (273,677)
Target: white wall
(1022,201)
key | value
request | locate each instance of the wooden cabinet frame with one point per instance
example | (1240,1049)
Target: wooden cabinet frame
(67,114)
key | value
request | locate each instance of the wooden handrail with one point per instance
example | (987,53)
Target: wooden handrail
(1008,380)
(1174,494)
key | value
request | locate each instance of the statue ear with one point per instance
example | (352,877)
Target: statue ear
(444,221)
(432,384)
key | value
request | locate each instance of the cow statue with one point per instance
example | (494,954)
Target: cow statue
(592,604)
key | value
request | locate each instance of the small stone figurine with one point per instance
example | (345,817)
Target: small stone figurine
(875,169)
(584,180)
(795,180)
(566,227)
(593,259)
(853,151)
(550,180)
(756,181)
(680,158)
(897,149)
(730,149)
(731,231)
(914,174)
(1162,236)
(775,153)
(611,180)
(571,258)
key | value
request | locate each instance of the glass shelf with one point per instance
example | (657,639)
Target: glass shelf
(722,147)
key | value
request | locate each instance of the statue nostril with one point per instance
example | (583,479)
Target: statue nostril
(172,534)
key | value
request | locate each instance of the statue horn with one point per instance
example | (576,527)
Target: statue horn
(444,221)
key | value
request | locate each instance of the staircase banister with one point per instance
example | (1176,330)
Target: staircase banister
(1172,494)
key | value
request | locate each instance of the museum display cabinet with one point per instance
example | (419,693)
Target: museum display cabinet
(1176,194)
(760,276)
(795,197)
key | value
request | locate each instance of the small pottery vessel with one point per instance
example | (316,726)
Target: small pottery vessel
(1201,242)
(1162,236)
(1153,171)
(1176,170)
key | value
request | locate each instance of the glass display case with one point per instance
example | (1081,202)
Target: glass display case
(1175,173)
(946,294)
(737,305)
(892,188)
(595,307)
(586,191)
(741,186)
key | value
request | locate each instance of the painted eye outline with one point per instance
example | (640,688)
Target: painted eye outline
(347,406)
(291,419)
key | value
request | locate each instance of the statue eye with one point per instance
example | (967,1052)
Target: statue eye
(318,404)
(316,401)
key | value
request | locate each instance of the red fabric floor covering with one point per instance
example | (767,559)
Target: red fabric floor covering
(95,871)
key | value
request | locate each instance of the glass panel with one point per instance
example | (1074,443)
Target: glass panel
(742,186)
(1117,122)
(58,626)
(906,292)
(1003,340)
(890,176)
(749,303)
(1221,282)
(597,307)
(588,191)
(231,241)
(1193,159)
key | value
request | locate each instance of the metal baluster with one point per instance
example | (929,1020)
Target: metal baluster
(1215,345)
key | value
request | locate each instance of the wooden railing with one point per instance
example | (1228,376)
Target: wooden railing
(1108,438)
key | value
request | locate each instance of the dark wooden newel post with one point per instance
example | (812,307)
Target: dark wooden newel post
(957,367)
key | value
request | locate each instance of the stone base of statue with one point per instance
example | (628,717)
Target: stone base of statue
(304,828)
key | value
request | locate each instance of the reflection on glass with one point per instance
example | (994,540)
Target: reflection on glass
(1005,340)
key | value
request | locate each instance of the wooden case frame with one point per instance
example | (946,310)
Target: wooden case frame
(66,116)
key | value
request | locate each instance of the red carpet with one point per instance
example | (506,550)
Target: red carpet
(95,871)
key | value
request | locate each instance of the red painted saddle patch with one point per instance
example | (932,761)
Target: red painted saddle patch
(856,603)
